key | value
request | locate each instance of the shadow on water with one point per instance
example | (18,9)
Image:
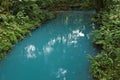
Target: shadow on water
(58,50)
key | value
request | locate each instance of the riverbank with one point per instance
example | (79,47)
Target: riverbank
(51,51)
(18,18)
(106,65)
(18,21)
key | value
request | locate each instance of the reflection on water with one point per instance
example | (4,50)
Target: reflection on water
(69,40)
(30,51)
(47,50)
(66,20)
(61,74)
(56,51)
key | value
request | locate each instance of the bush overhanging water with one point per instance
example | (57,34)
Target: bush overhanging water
(19,17)
(106,65)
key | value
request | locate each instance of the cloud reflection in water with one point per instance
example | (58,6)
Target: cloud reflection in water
(47,50)
(69,39)
(30,51)
(61,73)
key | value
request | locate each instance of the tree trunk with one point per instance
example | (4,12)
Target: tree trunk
(99,5)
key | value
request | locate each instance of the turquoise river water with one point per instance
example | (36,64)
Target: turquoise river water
(58,50)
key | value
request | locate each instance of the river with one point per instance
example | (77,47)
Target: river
(58,50)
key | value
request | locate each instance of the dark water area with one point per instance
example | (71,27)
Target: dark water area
(58,50)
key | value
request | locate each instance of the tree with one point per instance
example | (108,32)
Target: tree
(99,4)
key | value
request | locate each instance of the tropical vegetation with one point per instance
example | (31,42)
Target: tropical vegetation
(20,17)
(106,65)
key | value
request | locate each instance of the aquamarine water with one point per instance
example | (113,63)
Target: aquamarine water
(58,50)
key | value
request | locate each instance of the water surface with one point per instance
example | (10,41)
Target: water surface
(58,50)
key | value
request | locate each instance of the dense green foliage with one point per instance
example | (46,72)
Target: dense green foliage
(19,17)
(106,65)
